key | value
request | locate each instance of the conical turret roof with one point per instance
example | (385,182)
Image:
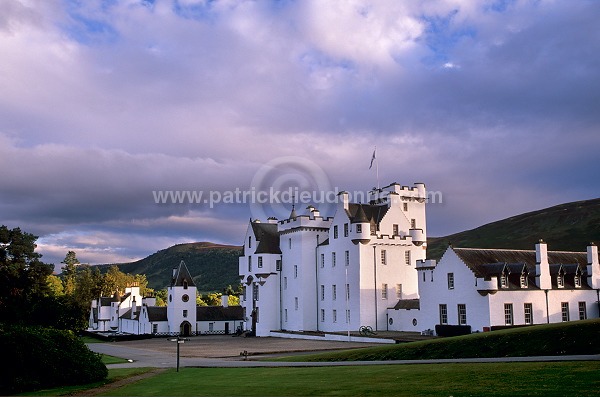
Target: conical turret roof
(182,276)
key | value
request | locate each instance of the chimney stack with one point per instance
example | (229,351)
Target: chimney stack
(225,300)
(542,266)
(593,267)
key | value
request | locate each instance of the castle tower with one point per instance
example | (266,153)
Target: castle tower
(181,305)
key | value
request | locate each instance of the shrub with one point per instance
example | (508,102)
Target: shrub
(36,357)
(452,330)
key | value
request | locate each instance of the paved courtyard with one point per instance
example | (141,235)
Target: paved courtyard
(227,346)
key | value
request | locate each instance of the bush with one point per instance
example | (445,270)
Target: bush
(36,357)
(452,330)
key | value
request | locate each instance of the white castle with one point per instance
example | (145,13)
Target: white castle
(366,266)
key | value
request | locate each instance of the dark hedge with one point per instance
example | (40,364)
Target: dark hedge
(36,357)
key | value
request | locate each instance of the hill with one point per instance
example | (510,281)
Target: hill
(565,227)
(213,266)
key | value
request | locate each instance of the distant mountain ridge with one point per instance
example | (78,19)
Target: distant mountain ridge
(213,266)
(565,227)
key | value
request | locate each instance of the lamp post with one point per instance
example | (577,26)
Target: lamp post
(179,341)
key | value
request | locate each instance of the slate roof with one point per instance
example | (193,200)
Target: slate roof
(127,314)
(372,213)
(268,238)
(489,262)
(408,304)
(105,301)
(157,313)
(219,313)
(182,274)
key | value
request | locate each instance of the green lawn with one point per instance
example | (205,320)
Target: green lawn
(575,337)
(497,379)
(113,376)
(89,339)
(112,360)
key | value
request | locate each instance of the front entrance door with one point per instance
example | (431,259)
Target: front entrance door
(227,328)
(185,329)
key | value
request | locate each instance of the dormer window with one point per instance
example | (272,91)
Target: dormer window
(560,280)
(504,280)
(185,284)
(524,280)
(578,280)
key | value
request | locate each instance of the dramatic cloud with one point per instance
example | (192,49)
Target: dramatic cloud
(492,103)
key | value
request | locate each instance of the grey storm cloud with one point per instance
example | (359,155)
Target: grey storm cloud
(494,104)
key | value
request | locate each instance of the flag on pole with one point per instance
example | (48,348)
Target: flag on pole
(372,158)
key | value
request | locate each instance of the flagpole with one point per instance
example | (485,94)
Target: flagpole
(377,168)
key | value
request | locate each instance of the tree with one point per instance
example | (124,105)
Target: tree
(55,285)
(161,297)
(70,272)
(23,277)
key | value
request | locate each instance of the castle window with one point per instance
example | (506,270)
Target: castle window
(285,283)
(335,231)
(185,297)
(384,291)
(358,228)
(450,280)
(407,257)
(333,259)
(290,243)
(154,328)
(347,291)
(347,258)
(211,327)
(296,303)
(508,314)
(383,257)
(249,241)
(295,271)
(348,316)
(255,292)
(185,312)
(528,309)
(582,311)
(564,308)
(405,206)
(322,315)
(260,261)
(462,314)
(345,230)
(334,316)
(322,292)
(399,291)
(334,292)
(249,263)
(413,223)
(322,260)
(285,315)
(278,265)
(185,284)
(443,314)
(395,230)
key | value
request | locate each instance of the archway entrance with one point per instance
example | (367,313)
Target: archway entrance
(185,329)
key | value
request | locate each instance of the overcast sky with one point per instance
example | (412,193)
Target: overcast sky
(495,104)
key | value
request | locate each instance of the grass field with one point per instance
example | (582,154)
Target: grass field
(89,339)
(498,379)
(113,376)
(575,337)
(112,360)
